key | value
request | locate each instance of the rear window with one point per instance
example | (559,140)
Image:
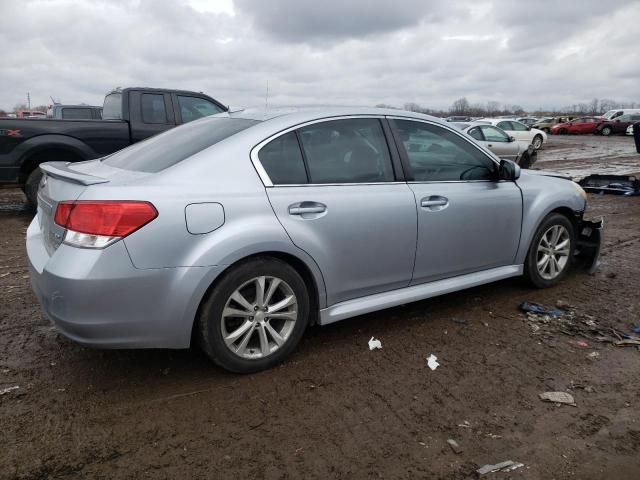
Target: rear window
(112,108)
(76,113)
(173,146)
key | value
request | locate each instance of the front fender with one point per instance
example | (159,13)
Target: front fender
(540,196)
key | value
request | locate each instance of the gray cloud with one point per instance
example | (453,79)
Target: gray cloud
(333,21)
(329,52)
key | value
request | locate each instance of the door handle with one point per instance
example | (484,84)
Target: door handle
(306,207)
(434,201)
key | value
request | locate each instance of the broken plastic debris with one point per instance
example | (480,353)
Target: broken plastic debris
(558,397)
(457,449)
(374,343)
(9,389)
(432,362)
(594,355)
(507,466)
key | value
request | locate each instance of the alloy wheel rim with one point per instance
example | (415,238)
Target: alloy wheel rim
(259,316)
(537,143)
(553,252)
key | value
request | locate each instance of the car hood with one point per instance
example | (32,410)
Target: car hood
(546,173)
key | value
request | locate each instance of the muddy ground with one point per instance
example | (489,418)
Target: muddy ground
(336,409)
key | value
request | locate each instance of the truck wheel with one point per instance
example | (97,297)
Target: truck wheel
(550,252)
(31,188)
(255,316)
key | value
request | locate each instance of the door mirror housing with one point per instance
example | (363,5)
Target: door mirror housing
(509,170)
(512,138)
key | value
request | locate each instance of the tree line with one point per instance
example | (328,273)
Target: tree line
(462,107)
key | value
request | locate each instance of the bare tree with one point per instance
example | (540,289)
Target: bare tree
(460,106)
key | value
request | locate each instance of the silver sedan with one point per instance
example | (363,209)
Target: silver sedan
(241,230)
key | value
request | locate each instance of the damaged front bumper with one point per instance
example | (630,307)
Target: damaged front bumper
(589,242)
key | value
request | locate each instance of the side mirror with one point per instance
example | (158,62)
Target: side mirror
(509,170)
(617,121)
(512,138)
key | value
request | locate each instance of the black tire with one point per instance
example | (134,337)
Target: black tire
(209,322)
(606,131)
(31,188)
(536,139)
(531,272)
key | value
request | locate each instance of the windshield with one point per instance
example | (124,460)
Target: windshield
(173,146)
(112,108)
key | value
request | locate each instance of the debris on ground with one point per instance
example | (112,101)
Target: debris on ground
(579,343)
(457,449)
(374,344)
(539,309)
(628,342)
(558,397)
(594,355)
(432,362)
(9,389)
(507,466)
(564,305)
(574,324)
(616,184)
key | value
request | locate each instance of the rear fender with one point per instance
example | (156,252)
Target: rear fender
(42,143)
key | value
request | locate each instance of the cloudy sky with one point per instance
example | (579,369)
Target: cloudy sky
(358,52)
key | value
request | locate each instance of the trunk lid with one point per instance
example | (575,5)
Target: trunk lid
(64,181)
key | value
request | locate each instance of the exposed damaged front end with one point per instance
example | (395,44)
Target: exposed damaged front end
(590,236)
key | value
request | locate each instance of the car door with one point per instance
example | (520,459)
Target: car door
(521,132)
(620,124)
(336,193)
(499,142)
(468,220)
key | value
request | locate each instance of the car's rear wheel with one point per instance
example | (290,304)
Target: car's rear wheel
(537,142)
(606,131)
(550,252)
(255,316)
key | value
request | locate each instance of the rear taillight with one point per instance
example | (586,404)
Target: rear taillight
(97,224)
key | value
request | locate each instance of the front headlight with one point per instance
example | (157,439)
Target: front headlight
(581,191)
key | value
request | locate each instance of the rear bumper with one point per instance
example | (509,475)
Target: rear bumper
(98,298)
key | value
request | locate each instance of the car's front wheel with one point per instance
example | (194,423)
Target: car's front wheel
(537,142)
(550,252)
(606,131)
(255,316)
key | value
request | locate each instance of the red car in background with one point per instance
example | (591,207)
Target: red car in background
(578,126)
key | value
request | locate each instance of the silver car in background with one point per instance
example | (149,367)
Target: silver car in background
(505,146)
(241,230)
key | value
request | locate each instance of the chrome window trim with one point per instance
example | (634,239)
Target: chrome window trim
(262,173)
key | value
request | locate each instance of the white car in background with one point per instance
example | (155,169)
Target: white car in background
(630,130)
(518,130)
(500,142)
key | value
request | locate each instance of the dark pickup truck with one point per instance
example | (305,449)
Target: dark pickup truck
(129,115)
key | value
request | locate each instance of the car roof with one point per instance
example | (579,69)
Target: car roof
(296,115)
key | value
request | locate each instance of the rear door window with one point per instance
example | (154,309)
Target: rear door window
(505,125)
(76,113)
(282,160)
(476,133)
(346,151)
(173,146)
(153,108)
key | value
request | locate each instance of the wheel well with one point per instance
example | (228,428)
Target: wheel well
(296,263)
(50,154)
(571,215)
